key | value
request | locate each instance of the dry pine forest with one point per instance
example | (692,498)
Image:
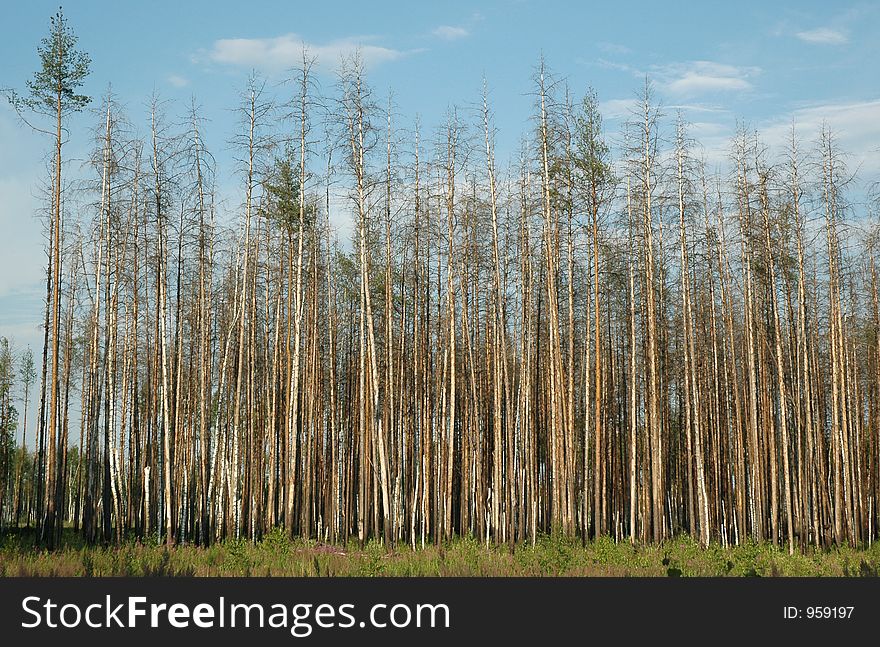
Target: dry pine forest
(384,333)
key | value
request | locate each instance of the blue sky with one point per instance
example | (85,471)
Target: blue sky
(762,62)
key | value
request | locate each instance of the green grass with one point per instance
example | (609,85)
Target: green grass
(549,556)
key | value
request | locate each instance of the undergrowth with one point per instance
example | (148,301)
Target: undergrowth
(549,555)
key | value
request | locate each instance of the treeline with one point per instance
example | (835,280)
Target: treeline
(597,341)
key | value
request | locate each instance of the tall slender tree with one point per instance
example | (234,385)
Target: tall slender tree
(53,93)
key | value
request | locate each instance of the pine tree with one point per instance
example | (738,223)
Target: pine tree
(52,93)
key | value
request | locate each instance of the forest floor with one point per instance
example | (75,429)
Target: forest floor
(275,555)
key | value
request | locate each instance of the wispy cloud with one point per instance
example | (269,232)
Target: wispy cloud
(615,65)
(178,81)
(282,52)
(449,32)
(617,108)
(699,108)
(692,78)
(823,36)
(704,77)
(855,125)
(613,48)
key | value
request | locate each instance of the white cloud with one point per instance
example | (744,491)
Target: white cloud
(855,125)
(617,108)
(823,36)
(178,81)
(701,130)
(694,83)
(283,52)
(613,48)
(448,32)
(692,78)
(702,77)
(705,108)
(620,67)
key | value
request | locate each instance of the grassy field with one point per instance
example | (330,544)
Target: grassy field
(550,556)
